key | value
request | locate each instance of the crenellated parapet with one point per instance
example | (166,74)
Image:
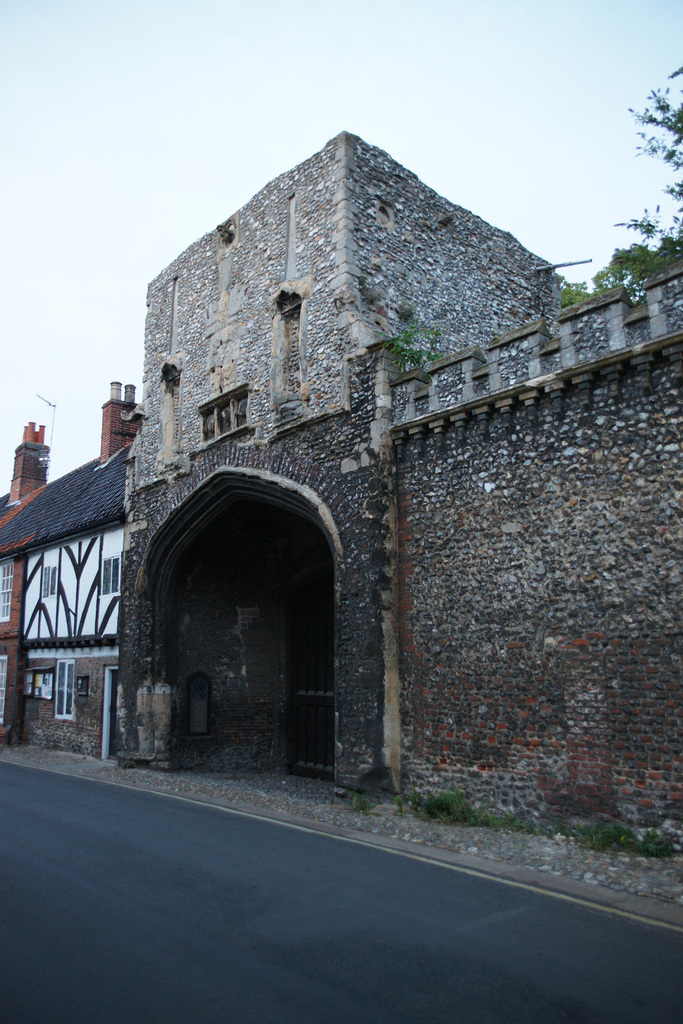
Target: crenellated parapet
(595,340)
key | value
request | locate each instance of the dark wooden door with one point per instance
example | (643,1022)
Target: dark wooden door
(113,691)
(311,665)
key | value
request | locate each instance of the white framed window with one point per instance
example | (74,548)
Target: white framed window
(111,575)
(49,580)
(6,580)
(64,705)
(3,686)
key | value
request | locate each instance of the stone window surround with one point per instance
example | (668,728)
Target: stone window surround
(229,402)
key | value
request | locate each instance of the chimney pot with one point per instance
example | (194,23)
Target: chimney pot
(129,394)
(115,394)
(33,434)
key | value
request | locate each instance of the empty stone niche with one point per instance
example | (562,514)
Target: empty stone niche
(289,366)
(170,412)
(228,232)
(384,214)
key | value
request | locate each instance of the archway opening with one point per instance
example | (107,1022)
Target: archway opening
(249,643)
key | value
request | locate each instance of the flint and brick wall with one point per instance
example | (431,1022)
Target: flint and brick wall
(416,250)
(358,239)
(335,460)
(540,576)
(526,537)
(82,734)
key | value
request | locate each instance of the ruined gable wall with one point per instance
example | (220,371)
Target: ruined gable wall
(361,240)
(416,249)
(223,331)
(541,546)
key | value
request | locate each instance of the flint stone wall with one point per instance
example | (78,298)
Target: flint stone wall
(210,320)
(540,576)
(416,249)
(334,459)
(353,241)
(525,542)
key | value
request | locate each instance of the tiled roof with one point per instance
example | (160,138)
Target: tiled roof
(85,499)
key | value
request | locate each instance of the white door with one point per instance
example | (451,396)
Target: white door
(111,685)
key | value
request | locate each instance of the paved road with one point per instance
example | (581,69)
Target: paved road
(124,906)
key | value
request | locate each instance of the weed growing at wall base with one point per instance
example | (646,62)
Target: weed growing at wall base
(360,803)
(451,807)
(602,836)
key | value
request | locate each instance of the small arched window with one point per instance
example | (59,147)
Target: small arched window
(199,699)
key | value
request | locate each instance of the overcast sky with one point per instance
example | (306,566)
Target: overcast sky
(128,130)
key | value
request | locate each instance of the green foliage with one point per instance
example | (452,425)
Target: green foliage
(573,292)
(415,345)
(360,803)
(667,145)
(630,268)
(398,802)
(508,822)
(654,845)
(414,800)
(660,246)
(451,807)
(601,836)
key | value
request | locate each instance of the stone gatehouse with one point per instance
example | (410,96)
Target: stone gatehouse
(467,576)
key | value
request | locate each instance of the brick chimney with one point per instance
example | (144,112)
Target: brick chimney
(116,431)
(31,461)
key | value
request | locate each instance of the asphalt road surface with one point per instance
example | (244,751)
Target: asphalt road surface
(119,906)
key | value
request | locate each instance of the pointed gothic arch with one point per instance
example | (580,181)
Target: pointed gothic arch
(241,583)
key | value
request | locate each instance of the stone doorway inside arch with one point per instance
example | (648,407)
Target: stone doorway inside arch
(250,617)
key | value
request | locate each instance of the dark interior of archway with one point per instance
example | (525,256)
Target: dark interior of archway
(251,611)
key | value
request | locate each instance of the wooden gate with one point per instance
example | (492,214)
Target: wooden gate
(311,666)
